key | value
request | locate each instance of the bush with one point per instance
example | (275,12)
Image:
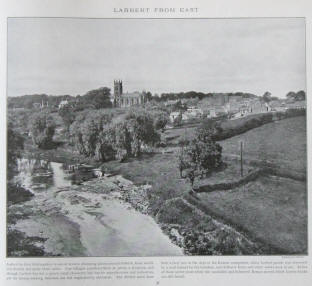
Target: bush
(68,115)
(141,127)
(15,145)
(42,128)
(161,119)
(202,154)
(90,134)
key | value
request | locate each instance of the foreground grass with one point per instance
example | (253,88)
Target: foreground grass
(158,170)
(271,209)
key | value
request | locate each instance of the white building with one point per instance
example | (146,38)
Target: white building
(211,113)
(63,103)
(174,115)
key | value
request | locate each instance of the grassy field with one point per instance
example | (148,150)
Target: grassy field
(270,209)
(282,142)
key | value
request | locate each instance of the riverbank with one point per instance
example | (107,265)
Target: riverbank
(74,221)
(94,218)
(195,232)
(188,227)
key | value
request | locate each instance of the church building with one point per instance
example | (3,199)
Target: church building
(127,99)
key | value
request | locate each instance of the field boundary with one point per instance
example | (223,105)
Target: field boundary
(252,176)
(271,249)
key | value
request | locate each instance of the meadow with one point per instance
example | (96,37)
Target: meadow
(271,209)
(281,143)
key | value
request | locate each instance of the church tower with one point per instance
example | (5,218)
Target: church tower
(117,88)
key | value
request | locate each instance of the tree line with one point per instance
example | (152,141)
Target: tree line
(199,95)
(95,99)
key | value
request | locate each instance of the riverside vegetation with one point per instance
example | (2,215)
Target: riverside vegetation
(136,144)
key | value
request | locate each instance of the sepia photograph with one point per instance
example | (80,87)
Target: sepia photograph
(156,137)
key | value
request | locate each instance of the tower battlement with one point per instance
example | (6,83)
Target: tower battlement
(117,88)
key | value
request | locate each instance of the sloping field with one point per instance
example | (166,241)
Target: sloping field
(270,209)
(282,142)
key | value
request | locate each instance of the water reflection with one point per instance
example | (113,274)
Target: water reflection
(36,174)
(81,220)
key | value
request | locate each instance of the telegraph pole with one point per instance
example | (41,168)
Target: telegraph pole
(241,158)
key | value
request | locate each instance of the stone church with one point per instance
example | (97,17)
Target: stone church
(127,99)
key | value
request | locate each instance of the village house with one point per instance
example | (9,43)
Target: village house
(173,116)
(211,113)
(38,105)
(192,112)
(171,102)
(296,105)
(259,107)
(63,103)
(277,106)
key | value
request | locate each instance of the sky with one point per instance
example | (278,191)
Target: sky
(60,56)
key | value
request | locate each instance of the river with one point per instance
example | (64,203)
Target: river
(84,220)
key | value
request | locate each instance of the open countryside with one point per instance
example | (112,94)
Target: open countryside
(247,206)
(156,137)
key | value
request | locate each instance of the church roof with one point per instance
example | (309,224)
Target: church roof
(131,94)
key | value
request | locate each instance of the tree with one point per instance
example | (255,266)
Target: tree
(209,156)
(178,106)
(15,145)
(296,96)
(68,116)
(141,127)
(149,96)
(123,141)
(301,95)
(161,119)
(201,155)
(183,161)
(266,96)
(105,145)
(88,133)
(99,98)
(42,128)
(208,130)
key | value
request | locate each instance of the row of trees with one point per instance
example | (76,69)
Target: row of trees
(96,99)
(201,155)
(296,96)
(199,95)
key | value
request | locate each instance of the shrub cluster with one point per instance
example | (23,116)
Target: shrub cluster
(202,154)
(98,135)
(42,128)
